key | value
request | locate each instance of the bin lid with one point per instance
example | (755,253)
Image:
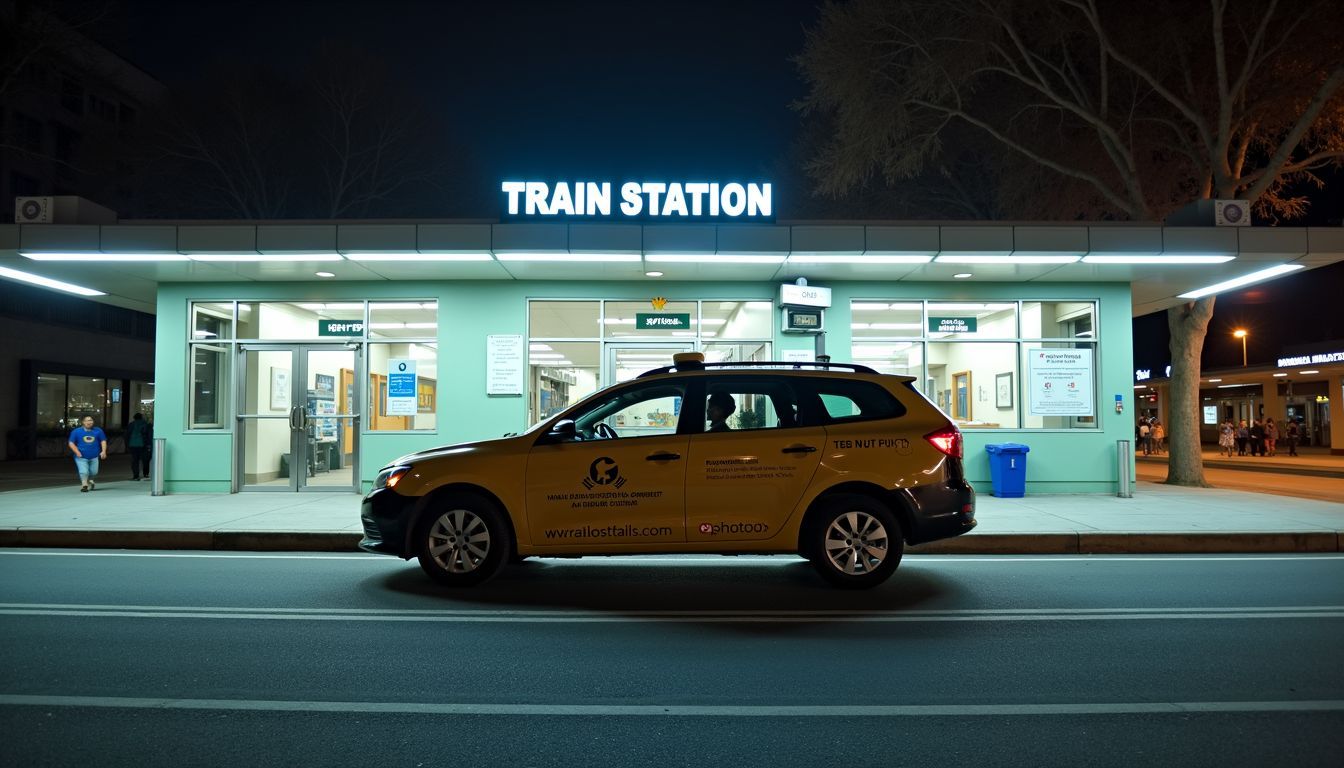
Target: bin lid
(1007,448)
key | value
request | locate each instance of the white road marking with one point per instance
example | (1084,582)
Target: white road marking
(507,616)
(676,710)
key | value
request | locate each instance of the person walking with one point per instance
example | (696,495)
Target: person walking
(89,444)
(1227,439)
(1243,437)
(1257,438)
(138,436)
(1294,432)
(1159,437)
(1271,435)
(1145,437)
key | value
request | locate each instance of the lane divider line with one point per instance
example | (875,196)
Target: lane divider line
(675,710)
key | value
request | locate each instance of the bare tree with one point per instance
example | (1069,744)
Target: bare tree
(1134,107)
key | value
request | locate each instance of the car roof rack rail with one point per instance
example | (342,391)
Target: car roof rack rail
(775,364)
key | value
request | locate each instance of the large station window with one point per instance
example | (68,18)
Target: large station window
(576,347)
(988,365)
(208,403)
(386,414)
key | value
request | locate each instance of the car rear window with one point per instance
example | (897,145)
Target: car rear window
(856,401)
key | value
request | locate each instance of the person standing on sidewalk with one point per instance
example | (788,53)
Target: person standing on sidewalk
(138,437)
(1227,439)
(1271,435)
(1293,434)
(1145,437)
(1243,437)
(1257,438)
(1159,437)
(88,444)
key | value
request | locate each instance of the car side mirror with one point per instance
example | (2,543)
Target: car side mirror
(562,431)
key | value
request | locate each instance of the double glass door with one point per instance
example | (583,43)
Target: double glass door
(626,360)
(298,420)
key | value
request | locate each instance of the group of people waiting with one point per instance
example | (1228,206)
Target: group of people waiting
(1152,436)
(1259,438)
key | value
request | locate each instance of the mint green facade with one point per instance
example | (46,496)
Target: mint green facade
(1061,461)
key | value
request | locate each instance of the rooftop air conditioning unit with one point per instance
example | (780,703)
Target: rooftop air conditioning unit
(1232,213)
(33,210)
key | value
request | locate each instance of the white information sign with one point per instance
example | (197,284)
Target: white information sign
(1060,382)
(504,364)
(799,356)
(401,387)
(1210,414)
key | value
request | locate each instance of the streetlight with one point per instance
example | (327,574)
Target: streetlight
(1240,333)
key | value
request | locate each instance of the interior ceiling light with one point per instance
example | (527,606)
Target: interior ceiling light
(421,256)
(871,258)
(1169,258)
(37,256)
(1279,375)
(589,258)
(962,275)
(325,274)
(1307,373)
(1237,282)
(1007,258)
(653,273)
(47,282)
(268,257)
(715,258)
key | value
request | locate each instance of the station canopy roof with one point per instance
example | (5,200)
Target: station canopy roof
(124,263)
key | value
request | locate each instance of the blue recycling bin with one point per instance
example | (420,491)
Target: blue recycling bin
(1008,469)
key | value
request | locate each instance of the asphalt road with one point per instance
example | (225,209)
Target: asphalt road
(146,659)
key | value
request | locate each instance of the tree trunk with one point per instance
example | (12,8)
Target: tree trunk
(1188,323)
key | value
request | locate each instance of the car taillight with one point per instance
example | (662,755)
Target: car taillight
(947,440)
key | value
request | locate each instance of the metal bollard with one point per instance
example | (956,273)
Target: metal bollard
(1124,455)
(156,468)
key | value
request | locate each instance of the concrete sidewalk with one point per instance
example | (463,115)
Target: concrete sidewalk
(1158,519)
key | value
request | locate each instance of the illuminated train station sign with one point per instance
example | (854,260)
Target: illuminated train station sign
(631,199)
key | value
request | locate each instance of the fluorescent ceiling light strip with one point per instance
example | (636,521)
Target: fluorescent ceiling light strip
(98,256)
(1237,282)
(266,257)
(955,258)
(715,258)
(872,258)
(446,256)
(1173,258)
(590,258)
(47,282)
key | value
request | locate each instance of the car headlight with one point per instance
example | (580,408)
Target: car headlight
(389,477)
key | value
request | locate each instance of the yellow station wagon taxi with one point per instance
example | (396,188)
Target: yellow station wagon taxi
(834,462)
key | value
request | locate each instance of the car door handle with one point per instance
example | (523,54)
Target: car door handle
(662,456)
(800,449)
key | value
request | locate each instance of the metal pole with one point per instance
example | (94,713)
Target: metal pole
(1124,455)
(156,470)
(1243,351)
(819,346)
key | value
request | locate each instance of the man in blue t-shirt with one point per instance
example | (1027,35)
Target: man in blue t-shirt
(89,444)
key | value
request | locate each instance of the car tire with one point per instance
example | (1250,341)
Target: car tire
(854,541)
(463,540)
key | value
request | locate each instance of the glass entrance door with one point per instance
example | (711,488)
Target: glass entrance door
(625,361)
(298,420)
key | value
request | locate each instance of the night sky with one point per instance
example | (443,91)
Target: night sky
(541,89)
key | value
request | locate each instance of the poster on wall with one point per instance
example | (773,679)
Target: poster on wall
(1060,382)
(504,364)
(401,399)
(279,389)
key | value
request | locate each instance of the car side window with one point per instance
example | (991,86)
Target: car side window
(653,409)
(758,402)
(844,401)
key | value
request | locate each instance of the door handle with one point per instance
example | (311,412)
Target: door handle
(662,456)
(800,449)
(296,418)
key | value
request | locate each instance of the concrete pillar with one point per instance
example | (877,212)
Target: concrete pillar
(1336,422)
(1276,406)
